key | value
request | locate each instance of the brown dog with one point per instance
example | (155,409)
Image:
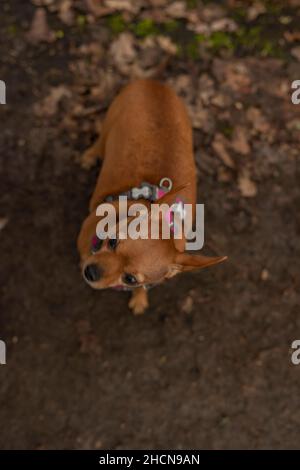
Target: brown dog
(146,136)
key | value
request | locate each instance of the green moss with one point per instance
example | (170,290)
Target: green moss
(12,30)
(171,26)
(268,49)
(199,38)
(144,28)
(254,38)
(221,40)
(59,34)
(116,24)
(239,14)
(226,129)
(81,21)
(191,4)
(192,50)
(180,50)
(249,37)
(273,7)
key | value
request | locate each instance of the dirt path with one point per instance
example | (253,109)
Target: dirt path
(209,365)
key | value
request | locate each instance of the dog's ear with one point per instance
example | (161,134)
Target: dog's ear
(186,262)
(179,243)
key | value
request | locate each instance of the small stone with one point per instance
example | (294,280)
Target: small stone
(265,275)
(3,222)
(187,305)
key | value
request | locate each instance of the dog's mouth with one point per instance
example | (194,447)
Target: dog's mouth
(120,287)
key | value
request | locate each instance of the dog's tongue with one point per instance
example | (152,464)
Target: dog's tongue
(120,287)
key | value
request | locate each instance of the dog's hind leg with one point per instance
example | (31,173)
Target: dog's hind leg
(92,154)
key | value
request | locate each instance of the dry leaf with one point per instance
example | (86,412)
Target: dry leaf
(201,118)
(66,13)
(246,185)
(237,77)
(158,3)
(219,145)
(39,30)
(221,100)
(258,120)
(123,53)
(49,105)
(292,36)
(240,141)
(123,5)
(187,304)
(182,84)
(3,222)
(224,175)
(176,10)
(167,45)
(96,9)
(255,10)
(296,52)
(224,24)
(212,12)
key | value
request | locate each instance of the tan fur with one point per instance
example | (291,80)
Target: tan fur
(146,136)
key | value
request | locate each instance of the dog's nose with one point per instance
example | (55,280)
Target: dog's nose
(92,273)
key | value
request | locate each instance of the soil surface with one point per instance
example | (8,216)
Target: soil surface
(209,364)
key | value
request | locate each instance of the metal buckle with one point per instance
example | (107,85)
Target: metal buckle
(163,185)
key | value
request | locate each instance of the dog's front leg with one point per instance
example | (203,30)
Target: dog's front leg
(139,301)
(91,155)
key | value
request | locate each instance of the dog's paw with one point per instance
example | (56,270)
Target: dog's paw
(139,303)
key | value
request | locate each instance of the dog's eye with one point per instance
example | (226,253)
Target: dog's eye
(112,243)
(129,279)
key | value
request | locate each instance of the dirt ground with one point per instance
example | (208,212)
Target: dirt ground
(209,364)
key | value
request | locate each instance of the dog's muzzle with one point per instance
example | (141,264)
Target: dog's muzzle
(92,273)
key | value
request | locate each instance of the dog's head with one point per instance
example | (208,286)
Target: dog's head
(128,263)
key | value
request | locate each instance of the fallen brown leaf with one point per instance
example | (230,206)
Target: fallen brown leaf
(3,222)
(296,52)
(158,3)
(291,36)
(255,10)
(97,9)
(219,145)
(187,304)
(123,5)
(246,185)
(240,141)
(123,52)
(257,120)
(176,9)
(49,105)
(166,44)
(224,24)
(66,13)
(233,75)
(39,29)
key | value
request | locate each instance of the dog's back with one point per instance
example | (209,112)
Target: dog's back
(146,135)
